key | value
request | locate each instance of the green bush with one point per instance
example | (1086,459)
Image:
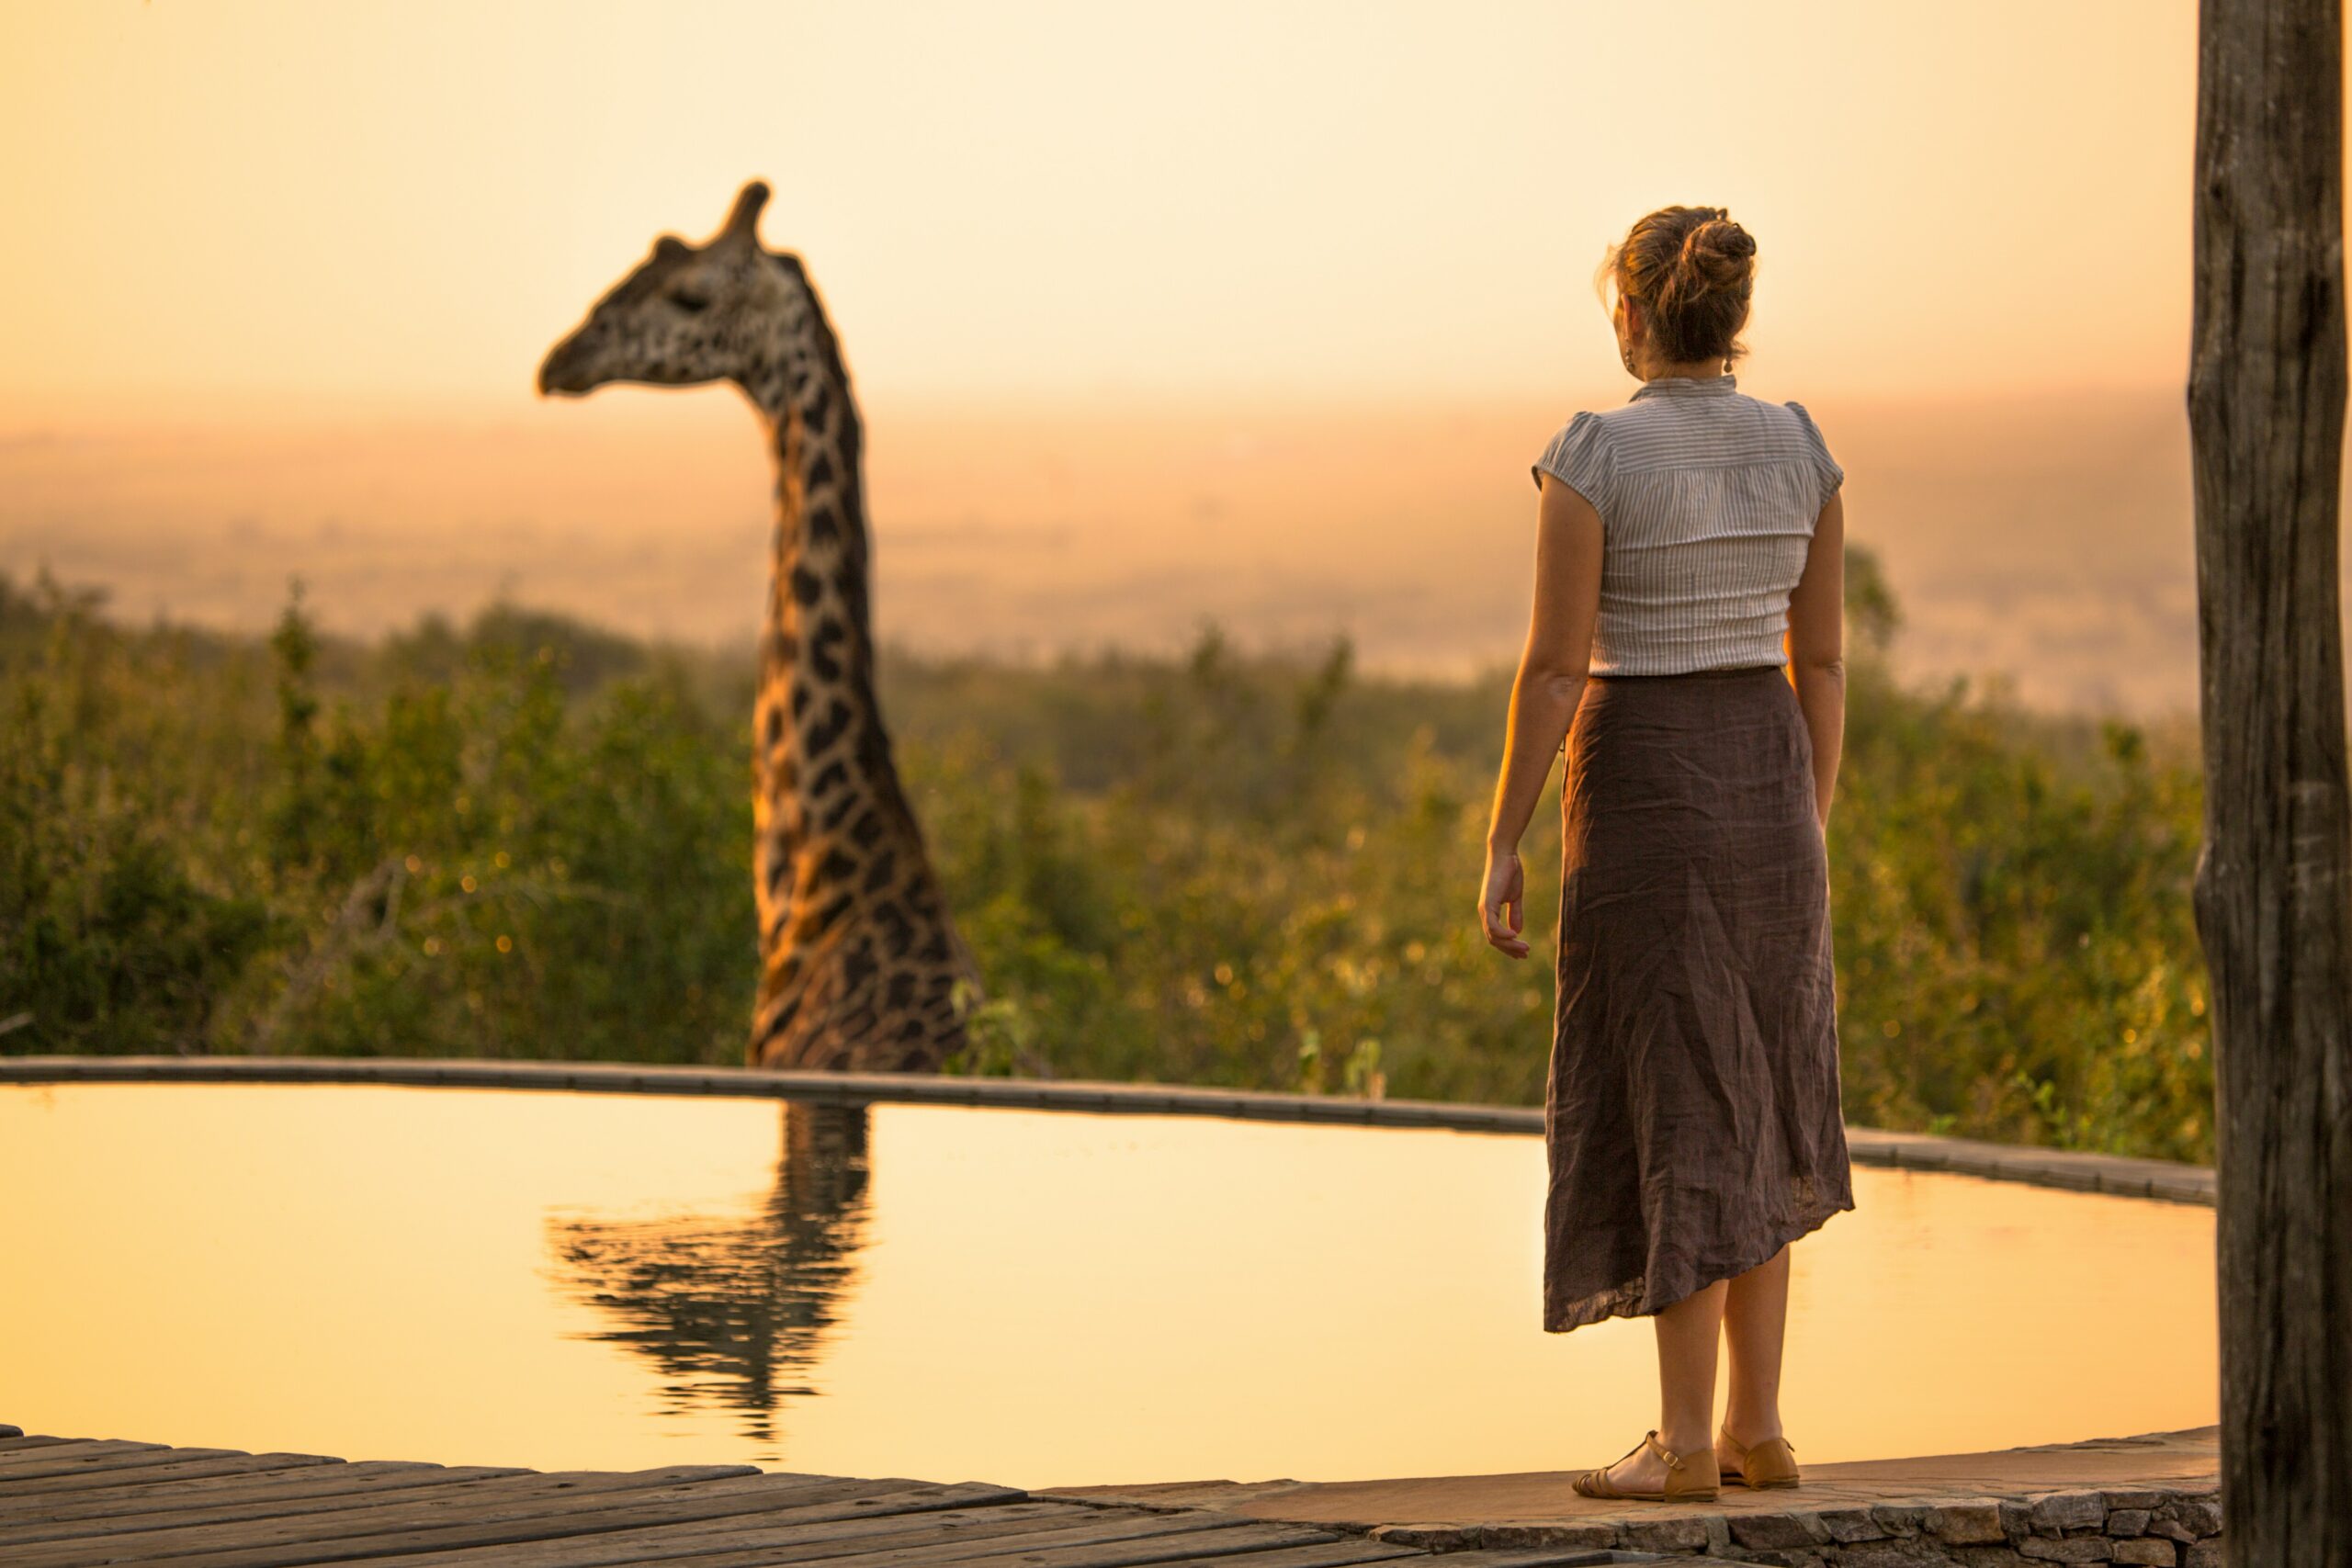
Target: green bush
(531,838)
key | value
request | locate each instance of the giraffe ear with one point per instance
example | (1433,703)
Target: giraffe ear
(745,219)
(670,245)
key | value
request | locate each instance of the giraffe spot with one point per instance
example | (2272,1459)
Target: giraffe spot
(902,989)
(807,586)
(857,967)
(866,828)
(787,770)
(836,723)
(858,1022)
(824,644)
(877,874)
(778,869)
(837,866)
(874,750)
(824,527)
(801,697)
(817,416)
(783,647)
(774,727)
(936,949)
(820,471)
(833,775)
(896,930)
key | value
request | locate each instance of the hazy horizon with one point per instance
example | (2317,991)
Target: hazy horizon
(2048,538)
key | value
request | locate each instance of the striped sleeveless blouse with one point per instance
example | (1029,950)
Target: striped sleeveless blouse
(1707,499)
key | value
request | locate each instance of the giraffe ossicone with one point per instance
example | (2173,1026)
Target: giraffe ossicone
(861,966)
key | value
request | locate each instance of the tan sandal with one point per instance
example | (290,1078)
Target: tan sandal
(1772,1462)
(1690,1478)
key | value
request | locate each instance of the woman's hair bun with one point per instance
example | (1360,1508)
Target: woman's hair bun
(1727,238)
(1718,238)
(1692,269)
(1716,250)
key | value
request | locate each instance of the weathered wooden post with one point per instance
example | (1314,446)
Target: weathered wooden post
(2273,879)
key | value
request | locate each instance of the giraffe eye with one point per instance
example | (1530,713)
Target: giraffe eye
(689,301)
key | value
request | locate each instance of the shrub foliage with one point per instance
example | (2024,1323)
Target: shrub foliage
(527,837)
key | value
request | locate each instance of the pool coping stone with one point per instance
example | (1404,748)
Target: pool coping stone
(2076,1169)
(2025,1504)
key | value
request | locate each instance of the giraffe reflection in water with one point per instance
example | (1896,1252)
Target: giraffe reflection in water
(733,1309)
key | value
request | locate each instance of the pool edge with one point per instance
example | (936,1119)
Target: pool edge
(2158,1486)
(2078,1170)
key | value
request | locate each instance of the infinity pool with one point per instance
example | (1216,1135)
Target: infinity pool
(1038,1298)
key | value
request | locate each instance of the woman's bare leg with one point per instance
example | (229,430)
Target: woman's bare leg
(1755,1316)
(1687,1334)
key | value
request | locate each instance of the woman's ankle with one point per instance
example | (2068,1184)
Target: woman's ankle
(1685,1442)
(1748,1431)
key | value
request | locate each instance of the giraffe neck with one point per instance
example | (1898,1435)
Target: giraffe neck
(819,587)
(829,805)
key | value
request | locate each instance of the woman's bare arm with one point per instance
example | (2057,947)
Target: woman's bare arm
(1816,644)
(1543,698)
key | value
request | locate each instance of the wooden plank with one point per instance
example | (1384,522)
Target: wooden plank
(1347,1549)
(531,1492)
(508,1484)
(945,1536)
(74,1450)
(1545,1557)
(912,1549)
(173,1492)
(1252,1537)
(109,1515)
(18,1444)
(475,1535)
(751,1537)
(428,1527)
(181,1491)
(167,1465)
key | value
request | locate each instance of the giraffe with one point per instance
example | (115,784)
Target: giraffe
(859,957)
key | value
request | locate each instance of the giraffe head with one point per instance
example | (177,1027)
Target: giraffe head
(685,314)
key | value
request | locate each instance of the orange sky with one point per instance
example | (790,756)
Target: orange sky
(298,202)
(1157,313)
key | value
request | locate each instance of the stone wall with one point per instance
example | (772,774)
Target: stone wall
(2164,1527)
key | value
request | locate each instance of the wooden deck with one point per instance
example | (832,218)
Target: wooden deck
(65,1502)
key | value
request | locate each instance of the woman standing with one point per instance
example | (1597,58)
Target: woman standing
(1685,654)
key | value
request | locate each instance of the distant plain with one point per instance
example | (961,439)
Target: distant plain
(2044,540)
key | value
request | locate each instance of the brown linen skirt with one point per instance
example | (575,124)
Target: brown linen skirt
(1690,1118)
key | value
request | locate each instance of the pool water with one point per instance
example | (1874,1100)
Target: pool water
(1037,1298)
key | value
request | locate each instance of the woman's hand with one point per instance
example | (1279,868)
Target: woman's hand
(1503,903)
